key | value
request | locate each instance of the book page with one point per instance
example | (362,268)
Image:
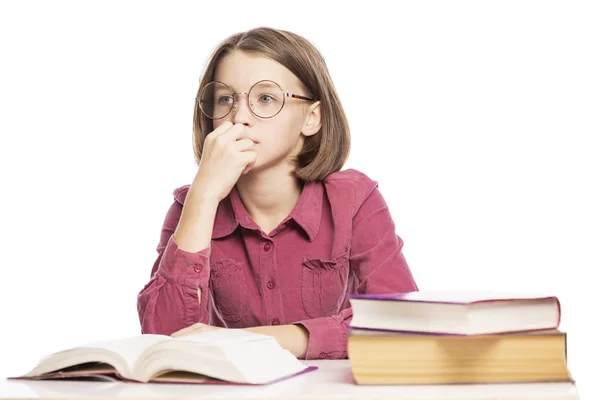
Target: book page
(129,348)
(466,296)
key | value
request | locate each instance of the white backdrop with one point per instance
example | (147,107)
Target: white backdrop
(480,121)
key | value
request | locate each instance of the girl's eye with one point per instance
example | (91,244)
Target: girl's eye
(225,100)
(266,98)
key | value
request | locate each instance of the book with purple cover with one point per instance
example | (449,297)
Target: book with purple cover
(455,312)
(217,356)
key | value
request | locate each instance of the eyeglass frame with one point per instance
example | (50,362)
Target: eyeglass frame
(234,105)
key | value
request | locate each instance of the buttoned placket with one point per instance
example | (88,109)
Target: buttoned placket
(268,266)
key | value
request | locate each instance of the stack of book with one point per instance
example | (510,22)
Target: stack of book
(456,337)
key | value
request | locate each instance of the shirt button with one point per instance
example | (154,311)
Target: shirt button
(197,268)
(271,284)
(275,321)
(267,246)
(322,355)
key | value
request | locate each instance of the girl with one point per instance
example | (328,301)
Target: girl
(271,236)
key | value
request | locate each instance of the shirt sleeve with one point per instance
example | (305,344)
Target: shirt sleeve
(377,262)
(177,294)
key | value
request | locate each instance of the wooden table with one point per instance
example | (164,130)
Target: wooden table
(333,380)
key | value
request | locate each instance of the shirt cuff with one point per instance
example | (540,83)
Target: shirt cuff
(327,338)
(180,266)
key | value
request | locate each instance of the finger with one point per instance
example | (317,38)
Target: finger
(187,330)
(250,160)
(181,332)
(244,145)
(236,132)
(195,331)
(178,333)
(222,128)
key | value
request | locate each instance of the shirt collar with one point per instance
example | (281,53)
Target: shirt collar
(306,213)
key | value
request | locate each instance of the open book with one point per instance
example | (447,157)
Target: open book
(224,355)
(455,312)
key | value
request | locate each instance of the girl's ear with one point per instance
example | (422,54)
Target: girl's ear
(312,123)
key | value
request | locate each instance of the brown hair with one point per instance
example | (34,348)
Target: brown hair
(322,153)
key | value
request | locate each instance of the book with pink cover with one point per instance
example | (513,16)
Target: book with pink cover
(217,356)
(455,312)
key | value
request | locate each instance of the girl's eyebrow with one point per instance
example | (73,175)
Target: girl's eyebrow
(230,86)
(249,86)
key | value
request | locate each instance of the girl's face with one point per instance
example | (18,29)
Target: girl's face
(281,137)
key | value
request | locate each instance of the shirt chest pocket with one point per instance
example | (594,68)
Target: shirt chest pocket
(229,289)
(324,284)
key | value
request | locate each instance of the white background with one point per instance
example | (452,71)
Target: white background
(480,120)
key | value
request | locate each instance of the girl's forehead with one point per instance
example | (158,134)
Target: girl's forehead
(241,70)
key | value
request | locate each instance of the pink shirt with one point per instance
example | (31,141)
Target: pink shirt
(338,240)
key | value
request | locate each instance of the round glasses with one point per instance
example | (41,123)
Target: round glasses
(265,99)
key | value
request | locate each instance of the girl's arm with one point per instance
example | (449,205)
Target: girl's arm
(377,261)
(291,337)
(173,299)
